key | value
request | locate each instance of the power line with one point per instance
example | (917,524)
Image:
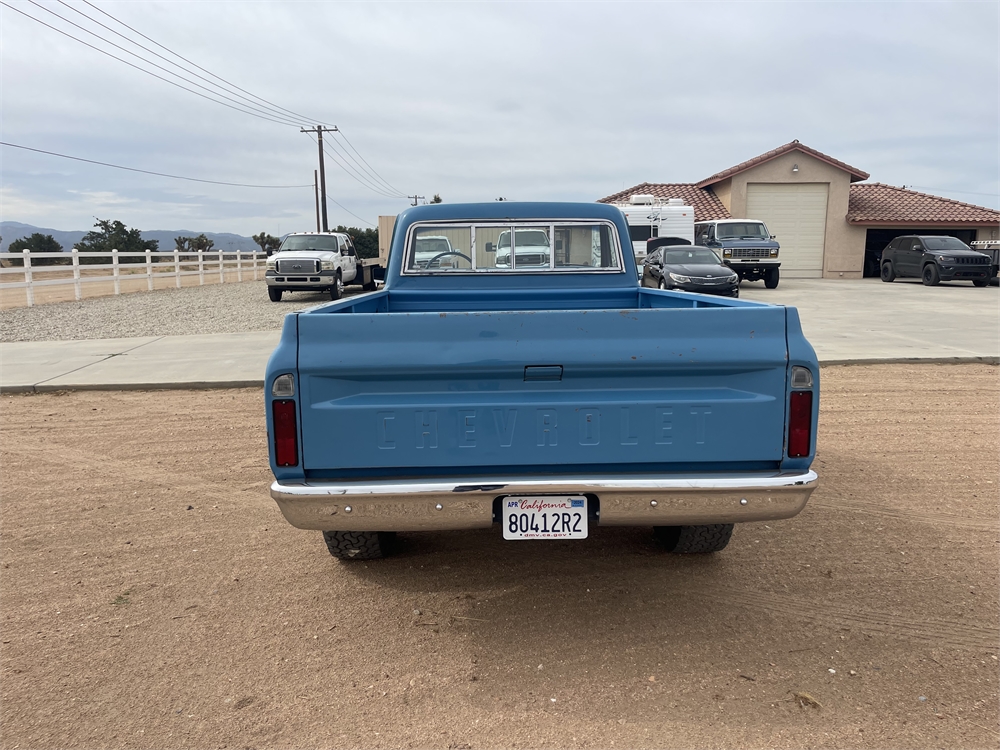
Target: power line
(354,174)
(361,171)
(370,168)
(272,109)
(350,212)
(203,70)
(961,192)
(277,111)
(146,171)
(147,72)
(360,177)
(250,105)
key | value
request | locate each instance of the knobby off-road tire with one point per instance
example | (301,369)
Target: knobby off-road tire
(359,545)
(888,273)
(931,277)
(694,540)
(274,294)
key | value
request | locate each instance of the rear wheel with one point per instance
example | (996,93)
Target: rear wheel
(888,272)
(931,276)
(274,294)
(359,545)
(694,540)
(337,290)
(771,278)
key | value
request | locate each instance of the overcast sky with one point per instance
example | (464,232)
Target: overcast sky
(529,101)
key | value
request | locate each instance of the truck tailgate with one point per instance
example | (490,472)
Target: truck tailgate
(395,394)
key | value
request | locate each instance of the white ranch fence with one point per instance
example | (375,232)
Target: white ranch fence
(205,264)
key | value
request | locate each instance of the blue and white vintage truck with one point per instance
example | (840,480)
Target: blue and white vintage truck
(544,392)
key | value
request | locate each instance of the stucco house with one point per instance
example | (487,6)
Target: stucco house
(822,211)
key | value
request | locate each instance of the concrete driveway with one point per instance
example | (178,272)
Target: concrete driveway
(871,321)
(846,321)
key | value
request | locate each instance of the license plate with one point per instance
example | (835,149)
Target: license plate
(561,517)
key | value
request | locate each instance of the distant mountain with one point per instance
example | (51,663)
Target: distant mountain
(13,230)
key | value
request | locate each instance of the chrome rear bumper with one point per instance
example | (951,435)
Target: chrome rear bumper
(428,505)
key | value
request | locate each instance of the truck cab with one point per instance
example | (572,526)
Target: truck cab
(745,245)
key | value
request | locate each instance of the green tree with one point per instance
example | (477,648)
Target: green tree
(437,198)
(202,243)
(268,244)
(365,240)
(37,243)
(113,235)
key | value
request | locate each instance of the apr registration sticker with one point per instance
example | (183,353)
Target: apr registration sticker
(561,517)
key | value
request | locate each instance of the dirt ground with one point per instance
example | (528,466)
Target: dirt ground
(154,597)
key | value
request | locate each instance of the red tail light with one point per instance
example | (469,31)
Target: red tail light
(800,424)
(286,441)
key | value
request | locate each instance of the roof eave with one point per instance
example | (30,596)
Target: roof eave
(904,223)
(856,174)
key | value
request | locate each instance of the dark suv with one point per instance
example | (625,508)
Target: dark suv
(935,259)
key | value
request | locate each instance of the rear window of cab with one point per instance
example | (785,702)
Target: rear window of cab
(504,247)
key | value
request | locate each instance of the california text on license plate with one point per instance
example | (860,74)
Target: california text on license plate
(561,517)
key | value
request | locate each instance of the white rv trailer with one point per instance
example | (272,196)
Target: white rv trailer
(649,217)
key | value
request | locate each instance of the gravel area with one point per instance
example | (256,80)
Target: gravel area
(214,308)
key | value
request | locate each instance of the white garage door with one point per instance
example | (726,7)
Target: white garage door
(796,214)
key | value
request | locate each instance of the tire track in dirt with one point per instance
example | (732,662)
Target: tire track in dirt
(943,633)
(937,519)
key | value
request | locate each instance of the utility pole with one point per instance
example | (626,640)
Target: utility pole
(318,130)
(316,190)
(415,198)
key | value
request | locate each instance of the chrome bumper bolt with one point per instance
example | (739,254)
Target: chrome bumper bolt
(347,509)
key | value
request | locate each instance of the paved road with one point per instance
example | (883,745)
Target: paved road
(846,321)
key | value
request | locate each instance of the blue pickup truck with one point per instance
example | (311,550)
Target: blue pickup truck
(549,396)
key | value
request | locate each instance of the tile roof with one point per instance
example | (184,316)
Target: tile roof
(856,174)
(706,203)
(875,203)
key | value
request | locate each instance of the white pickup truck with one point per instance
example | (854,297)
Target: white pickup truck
(314,262)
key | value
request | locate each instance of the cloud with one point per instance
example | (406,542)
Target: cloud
(475,101)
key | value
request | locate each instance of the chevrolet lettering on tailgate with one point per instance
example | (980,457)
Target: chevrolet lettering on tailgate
(580,426)
(518,377)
